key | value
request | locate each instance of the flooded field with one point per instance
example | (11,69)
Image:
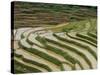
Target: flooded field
(53,37)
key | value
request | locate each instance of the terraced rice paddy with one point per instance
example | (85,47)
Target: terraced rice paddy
(69,45)
(43,14)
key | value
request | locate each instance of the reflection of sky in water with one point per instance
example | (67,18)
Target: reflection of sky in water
(18,32)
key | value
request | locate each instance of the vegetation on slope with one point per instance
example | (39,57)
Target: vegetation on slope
(53,37)
(72,49)
(44,14)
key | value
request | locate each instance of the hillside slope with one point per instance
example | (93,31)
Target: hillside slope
(68,46)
